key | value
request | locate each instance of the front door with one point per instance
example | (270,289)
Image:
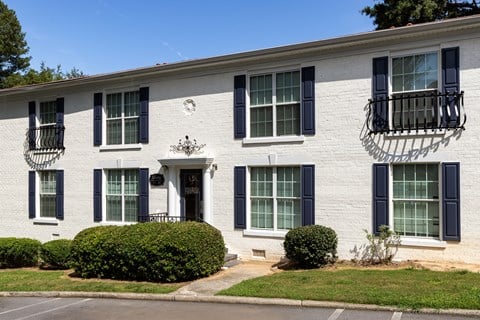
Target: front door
(191,194)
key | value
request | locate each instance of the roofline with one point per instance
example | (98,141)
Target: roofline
(336,43)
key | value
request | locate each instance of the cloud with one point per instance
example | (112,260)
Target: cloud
(178,53)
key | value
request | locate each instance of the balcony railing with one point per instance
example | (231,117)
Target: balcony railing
(418,111)
(46,138)
(164,217)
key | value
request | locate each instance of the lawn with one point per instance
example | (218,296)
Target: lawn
(405,288)
(43,280)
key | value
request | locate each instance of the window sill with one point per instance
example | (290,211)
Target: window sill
(426,243)
(121,147)
(265,233)
(274,140)
(116,223)
(47,221)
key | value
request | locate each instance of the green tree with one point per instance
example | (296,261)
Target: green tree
(13,47)
(398,13)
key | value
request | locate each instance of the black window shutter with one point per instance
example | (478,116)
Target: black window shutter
(97,195)
(97,118)
(450,84)
(144,101)
(308,195)
(380,196)
(59,195)
(451,200)
(308,100)
(380,94)
(31,194)
(143,209)
(240,192)
(32,121)
(239,106)
(60,120)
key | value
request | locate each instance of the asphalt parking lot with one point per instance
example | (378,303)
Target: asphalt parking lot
(19,308)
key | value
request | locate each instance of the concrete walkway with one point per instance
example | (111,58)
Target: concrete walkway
(225,279)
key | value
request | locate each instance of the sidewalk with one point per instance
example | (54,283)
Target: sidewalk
(225,279)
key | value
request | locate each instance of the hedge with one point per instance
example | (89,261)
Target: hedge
(158,252)
(55,254)
(311,246)
(18,252)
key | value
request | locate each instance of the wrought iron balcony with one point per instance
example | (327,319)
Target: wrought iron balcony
(46,138)
(418,111)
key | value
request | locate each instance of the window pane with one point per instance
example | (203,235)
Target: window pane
(289,215)
(288,182)
(114,182)
(114,208)
(288,120)
(397,64)
(47,205)
(114,105)
(48,112)
(261,90)
(288,87)
(131,182)
(262,213)
(431,62)
(132,104)
(131,208)
(408,65)
(48,182)
(131,130)
(114,131)
(261,180)
(261,122)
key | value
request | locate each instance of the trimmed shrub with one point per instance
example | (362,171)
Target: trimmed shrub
(158,252)
(311,246)
(18,252)
(56,254)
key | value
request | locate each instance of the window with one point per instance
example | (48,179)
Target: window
(48,194)
(123,110)
(275,200)
(275,104)
(416,200)
(122,195)
(414,88)
(47,120)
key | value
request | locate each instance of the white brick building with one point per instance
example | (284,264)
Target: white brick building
(351,133)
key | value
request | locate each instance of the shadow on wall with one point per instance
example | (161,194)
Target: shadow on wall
(40,159)
(401,149)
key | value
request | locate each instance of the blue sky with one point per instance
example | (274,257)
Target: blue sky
(101,36)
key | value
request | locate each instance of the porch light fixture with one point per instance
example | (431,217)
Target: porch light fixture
(187,146)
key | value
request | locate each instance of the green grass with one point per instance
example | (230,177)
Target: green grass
(405,288)
(43,280)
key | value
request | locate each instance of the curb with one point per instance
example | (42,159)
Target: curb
(235,300)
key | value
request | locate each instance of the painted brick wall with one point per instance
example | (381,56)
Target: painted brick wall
(342,150)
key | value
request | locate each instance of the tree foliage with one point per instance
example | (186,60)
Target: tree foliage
(15,64)
(13,46)
(398,13)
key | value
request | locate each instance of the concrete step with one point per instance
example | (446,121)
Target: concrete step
(230,260)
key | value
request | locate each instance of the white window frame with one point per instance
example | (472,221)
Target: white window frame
(417,240)
(407,53)
(122,194)
(274,137)
(122,145)
(38,219)
(253,231)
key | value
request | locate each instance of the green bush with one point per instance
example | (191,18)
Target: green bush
(158,252)
(311,246)
(18,252)
(56,253)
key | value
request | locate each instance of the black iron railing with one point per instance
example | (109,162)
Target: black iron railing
(164,217)
(407,112)
(45,138)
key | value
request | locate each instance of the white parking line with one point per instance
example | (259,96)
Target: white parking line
(29,306)
(397,316)
(53,309)
(336,314)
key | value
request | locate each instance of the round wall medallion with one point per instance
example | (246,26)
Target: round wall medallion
(189,107)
